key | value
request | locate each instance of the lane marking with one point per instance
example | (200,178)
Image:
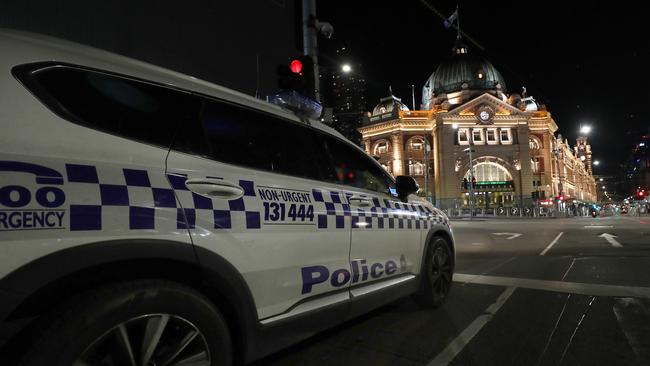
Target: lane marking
(477,243)
(456,346)
(510,235)
(633,318)
(580,288)
(599,226)
(552,243)
(610,239)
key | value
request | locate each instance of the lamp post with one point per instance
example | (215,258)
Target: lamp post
(469,150)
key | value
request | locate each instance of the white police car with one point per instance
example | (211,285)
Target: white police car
(150,218)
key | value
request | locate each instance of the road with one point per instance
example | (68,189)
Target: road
(564,292)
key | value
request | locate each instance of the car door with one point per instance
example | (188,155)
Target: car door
(385,232)
(253,192)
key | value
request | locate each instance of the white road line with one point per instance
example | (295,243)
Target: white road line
(590,289)
(552,243)
(633,318)
(598,226)
(456,346)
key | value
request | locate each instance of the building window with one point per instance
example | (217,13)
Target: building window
(534,165)
(416,168)
(416,144)
(506,136)
(463,136)
(381,148)
(477,136)
(489,172)
(491,136)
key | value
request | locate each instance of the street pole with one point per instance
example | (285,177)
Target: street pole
(471,184)
(426,165)
(310,40)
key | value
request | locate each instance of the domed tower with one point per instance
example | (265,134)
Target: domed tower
(461,77)
(389,104)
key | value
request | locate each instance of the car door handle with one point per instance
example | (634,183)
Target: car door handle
(215,188)
(360,201)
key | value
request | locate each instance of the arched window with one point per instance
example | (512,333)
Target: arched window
(489,172)
(381,147)
(533,144)
(416,144)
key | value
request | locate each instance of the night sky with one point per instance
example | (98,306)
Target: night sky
(588,62)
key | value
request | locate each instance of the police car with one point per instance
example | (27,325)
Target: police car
(150,218)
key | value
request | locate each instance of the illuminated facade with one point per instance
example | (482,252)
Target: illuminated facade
(515,150)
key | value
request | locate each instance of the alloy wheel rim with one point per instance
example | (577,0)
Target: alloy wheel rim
(149,340)
(440,271)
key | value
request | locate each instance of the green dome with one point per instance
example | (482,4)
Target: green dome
(463,71)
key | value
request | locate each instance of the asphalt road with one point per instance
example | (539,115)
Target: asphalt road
(563,292)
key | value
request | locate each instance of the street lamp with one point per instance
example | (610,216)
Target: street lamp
(585,130)
(346,68)
(596,162)
(469,150)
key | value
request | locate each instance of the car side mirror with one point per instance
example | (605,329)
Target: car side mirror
(406,185)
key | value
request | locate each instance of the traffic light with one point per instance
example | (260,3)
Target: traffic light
(297,75)
(640,194)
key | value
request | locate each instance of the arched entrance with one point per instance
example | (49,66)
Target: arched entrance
(493,187)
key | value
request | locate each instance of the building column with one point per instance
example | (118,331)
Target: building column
(366,145)
(398,154)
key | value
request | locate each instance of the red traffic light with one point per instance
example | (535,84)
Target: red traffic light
(296,66)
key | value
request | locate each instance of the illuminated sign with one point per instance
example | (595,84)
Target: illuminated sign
(494,183)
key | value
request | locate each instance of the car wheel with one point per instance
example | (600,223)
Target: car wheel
(136,323)
(436,274)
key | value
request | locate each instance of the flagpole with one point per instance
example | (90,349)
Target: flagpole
(413,95)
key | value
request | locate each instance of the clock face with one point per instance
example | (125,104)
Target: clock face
(485,115)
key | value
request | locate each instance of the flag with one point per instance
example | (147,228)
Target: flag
(451,19)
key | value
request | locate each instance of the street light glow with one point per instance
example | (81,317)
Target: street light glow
(346,68)
(585,130)
(596,162)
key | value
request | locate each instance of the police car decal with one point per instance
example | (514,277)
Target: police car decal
(360,272)
(17,201)
(286,206)
(148,199)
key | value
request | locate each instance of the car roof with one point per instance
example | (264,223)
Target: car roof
(20,47)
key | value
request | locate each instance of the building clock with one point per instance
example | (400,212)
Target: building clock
(485,114)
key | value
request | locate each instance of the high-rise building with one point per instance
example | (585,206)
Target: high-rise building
(344,87)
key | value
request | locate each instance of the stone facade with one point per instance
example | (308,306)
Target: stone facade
(515,153)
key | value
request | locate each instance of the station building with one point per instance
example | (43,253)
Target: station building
(517,159)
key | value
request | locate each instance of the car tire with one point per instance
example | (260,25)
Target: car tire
(436,276)
(143,322)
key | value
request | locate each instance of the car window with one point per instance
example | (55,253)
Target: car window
(114,104)
(241,136)
(355,168)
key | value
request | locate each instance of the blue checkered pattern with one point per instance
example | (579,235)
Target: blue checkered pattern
(336,208)
(101,199)
(224,214)
(384,213)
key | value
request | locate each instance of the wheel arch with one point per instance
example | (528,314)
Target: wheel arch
(50,280)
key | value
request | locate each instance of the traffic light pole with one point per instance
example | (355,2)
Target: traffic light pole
(310,40)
